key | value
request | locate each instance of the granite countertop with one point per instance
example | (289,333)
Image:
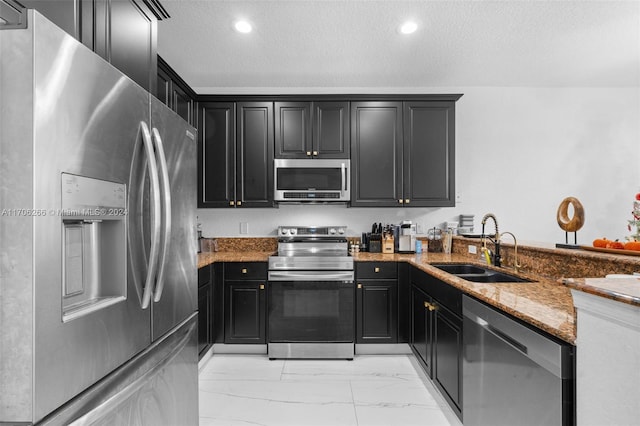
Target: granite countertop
(545,303)
(622,289)
(205,259)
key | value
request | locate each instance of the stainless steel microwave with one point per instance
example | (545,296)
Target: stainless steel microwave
(316,180)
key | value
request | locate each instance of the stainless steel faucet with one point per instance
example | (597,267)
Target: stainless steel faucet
(496,241)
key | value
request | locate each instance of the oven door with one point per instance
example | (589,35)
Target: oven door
(311,311)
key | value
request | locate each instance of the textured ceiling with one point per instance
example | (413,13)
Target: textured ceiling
(353,45)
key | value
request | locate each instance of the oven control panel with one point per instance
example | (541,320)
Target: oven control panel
(312,231)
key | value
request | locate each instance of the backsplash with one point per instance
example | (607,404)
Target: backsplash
(546,262)
(555,263)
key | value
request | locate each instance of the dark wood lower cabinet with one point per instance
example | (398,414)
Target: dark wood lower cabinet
(376,302)
(447,356)
(204,318)
(421,329)
(245,316)
(377,311)
(436,334)
(205,293)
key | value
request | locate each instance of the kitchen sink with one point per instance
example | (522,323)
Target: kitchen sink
(479,274)
(458,269)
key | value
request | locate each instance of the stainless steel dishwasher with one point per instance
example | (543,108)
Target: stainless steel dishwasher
(513,374)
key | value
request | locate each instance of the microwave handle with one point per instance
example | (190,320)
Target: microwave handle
(344,179)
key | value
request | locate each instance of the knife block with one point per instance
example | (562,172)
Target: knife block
(375,243)
(387,245)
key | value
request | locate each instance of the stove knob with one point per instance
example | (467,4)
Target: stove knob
(293,231)
(341,231)
(284,231)
(332,231)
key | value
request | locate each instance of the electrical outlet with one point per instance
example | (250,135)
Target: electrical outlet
(244,227)
(458,198)
(472,249)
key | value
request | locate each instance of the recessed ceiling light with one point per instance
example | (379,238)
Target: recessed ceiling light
(408,27)
(243,27)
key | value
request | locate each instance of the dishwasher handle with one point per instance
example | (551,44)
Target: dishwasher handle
(499,334)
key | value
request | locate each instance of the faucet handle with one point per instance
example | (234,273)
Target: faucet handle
(486,253)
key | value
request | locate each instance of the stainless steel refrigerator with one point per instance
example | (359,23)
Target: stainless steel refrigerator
(98,244)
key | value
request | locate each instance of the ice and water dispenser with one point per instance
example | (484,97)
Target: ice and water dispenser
(94,246)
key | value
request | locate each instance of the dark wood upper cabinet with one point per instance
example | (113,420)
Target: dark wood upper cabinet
(331,129)
(402,148)
(376,154)
(133,42)
(429,154)
(293,130)
(312,129)
(217,156)
(403,153)
(173,91)
(235,167)
(163,85)
(254,158)
(123,32)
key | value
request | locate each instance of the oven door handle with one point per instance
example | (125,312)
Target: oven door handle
(310,276)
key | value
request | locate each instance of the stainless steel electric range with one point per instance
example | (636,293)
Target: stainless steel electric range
(311,299)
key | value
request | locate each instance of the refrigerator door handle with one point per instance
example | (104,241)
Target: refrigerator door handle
(166,204)
(155,215)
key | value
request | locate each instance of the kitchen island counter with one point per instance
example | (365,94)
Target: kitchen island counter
(621,289)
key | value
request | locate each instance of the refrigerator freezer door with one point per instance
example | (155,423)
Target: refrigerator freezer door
(176,290)
(158,387)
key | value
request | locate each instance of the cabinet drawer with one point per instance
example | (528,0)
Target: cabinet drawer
(245,271)
(204,275)
(376,270)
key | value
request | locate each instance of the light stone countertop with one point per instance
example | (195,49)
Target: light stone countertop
(623,289)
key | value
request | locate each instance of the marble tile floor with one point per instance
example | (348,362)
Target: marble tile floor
(371,390)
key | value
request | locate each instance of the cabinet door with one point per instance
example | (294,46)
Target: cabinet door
(163,87)
(182,104)
(204,318)
(377,311)
(447,354)
(330,130)
(421,329)
(216,155)
(376,154)
(63,13)
(254,160)
(429,157)
(245,312)
(132,42)
(293,130)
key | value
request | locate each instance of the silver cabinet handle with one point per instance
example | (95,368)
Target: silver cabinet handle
(166,204)
(154,213)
